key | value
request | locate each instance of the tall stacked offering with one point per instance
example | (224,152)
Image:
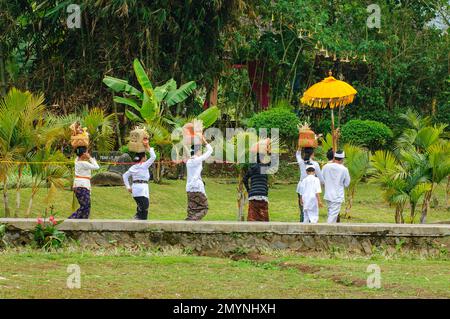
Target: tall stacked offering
(192,133)
(80,136)
(135,143)
(263,146)
(306,137)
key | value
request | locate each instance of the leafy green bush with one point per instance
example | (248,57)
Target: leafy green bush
(371,134)
(281,118)
(46,236)
(442,115)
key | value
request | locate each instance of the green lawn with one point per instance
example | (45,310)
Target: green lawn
(34,274)
(168,202)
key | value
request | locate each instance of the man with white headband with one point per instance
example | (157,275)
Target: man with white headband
(336,178)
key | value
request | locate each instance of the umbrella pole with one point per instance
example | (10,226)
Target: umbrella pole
(333,135)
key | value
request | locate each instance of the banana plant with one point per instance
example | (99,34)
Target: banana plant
(151,106)
(150,103)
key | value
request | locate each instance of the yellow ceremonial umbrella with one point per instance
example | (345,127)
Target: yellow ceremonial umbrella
(330,93)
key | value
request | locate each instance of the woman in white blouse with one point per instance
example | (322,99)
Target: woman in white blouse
(140,175)
(195,188)
(84,164)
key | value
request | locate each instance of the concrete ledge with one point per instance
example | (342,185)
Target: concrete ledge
(224,238)
(116,225)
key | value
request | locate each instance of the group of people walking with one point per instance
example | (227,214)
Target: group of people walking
(334,176)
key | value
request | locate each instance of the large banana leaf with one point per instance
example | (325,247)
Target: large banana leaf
(133,117)
(149,106)
(179,95)
(141,75)
(209,116)
(120,86)
(161,91)
(127,101)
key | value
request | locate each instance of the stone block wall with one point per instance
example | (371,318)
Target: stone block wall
(225,238)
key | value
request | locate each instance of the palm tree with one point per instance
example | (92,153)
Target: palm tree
(99,125)
(427,140)
(44,160)
(46,170)
(384,169)
(438,169)
(22,109)
(419,161)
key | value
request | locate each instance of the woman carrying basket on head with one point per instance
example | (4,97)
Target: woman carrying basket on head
(140,175)
(84,165)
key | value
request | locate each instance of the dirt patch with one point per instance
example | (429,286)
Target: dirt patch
(310,269)
(253,257)
(347,281)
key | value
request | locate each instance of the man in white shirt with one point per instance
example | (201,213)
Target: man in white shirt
(140,175)
(195,188)
(336,178)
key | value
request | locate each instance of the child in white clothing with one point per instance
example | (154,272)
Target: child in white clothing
(309,196)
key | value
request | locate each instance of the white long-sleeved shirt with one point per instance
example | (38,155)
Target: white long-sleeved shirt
(309,187)
(302,166)
(336,178)
(84,169)
(194,167)
(139,172)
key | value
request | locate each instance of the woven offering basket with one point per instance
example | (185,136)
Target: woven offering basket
(306,137)
(136,144)
(80,140)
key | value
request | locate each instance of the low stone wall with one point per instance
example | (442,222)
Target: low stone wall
(225,238)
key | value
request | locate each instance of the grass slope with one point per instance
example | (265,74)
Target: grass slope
(168,202)
(29,274)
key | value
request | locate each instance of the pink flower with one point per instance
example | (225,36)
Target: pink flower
(39,221)
(52,219)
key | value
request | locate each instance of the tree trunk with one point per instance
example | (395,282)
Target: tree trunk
(241,197)
(349,205)
(5,199)
(18,189)
(158,169)
(447,193)
(2,72)
(399,215)
(117,126)
(426,205)
(30,203)
(412,212)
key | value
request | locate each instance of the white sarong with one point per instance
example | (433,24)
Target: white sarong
(333,211)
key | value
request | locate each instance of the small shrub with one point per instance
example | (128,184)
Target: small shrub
(281,118)
(371,134)
(2,235)
(46,236)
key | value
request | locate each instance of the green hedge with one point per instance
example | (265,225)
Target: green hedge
(282,118)
(371,134)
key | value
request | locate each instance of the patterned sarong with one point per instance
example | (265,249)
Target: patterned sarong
(197,205)
(84,199)
(258,211)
